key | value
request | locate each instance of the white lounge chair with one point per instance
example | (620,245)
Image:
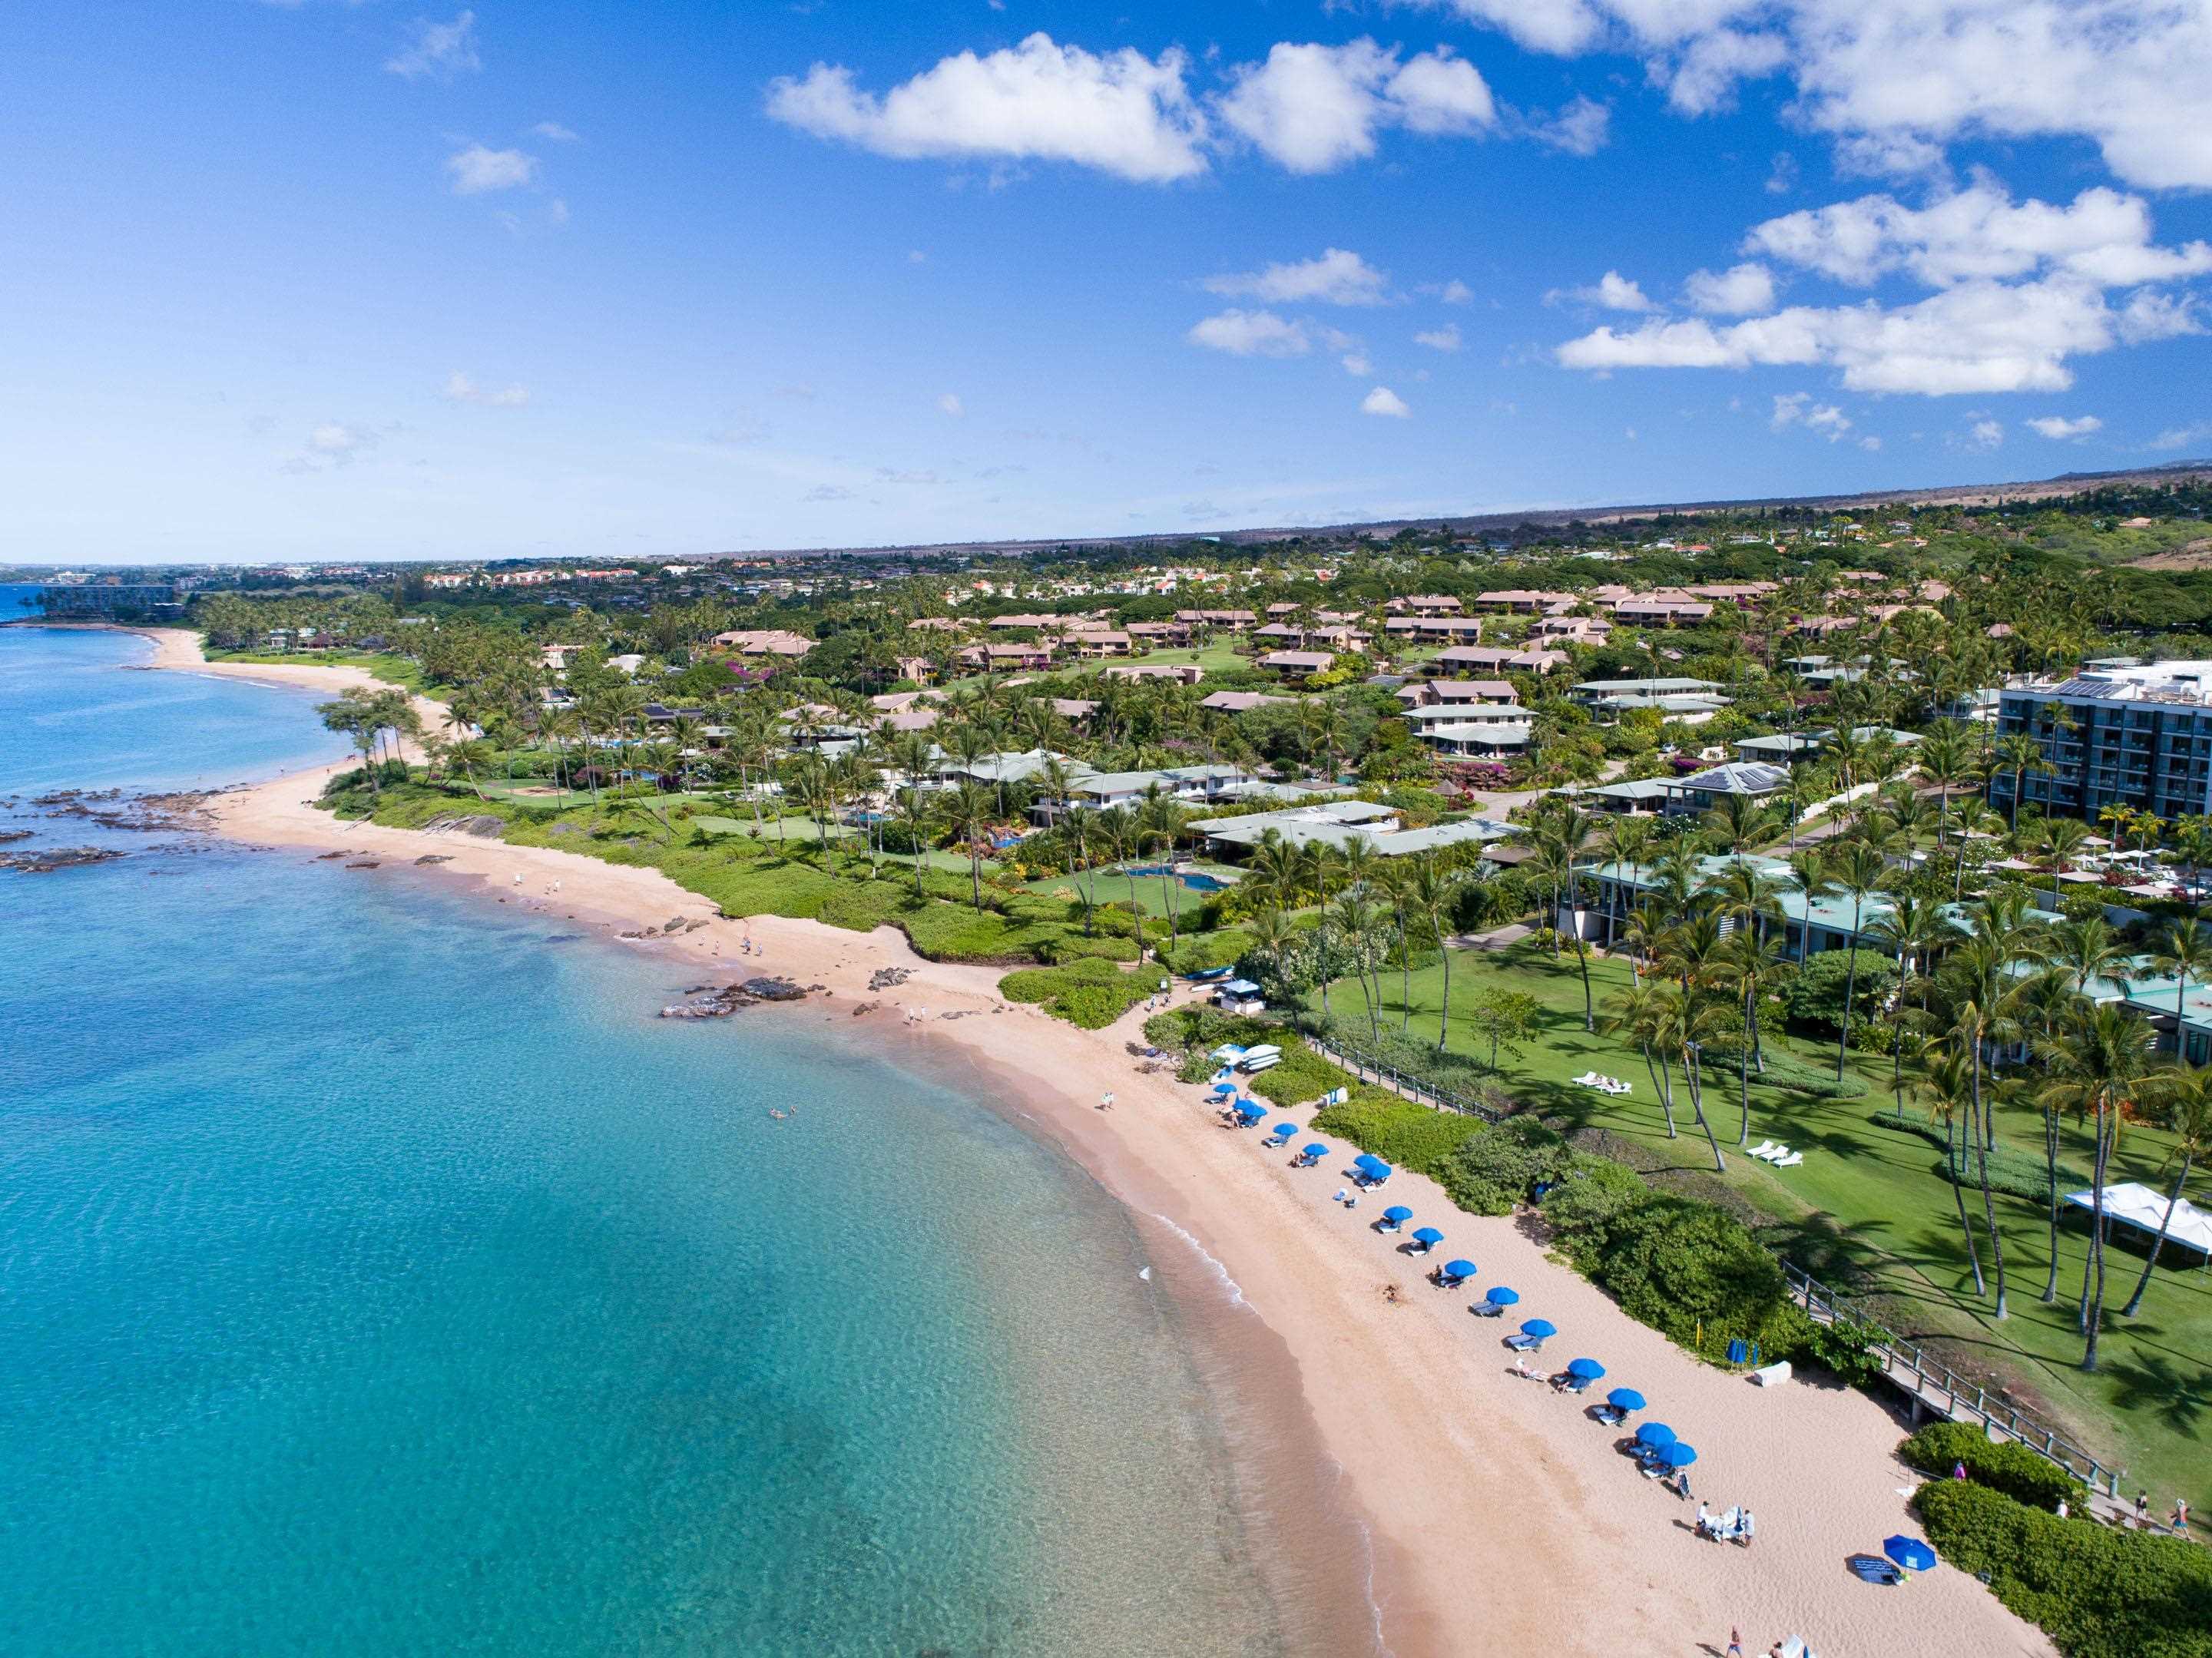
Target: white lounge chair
(1772,1154)
(1588,1080)
(1760,1150)
(1789,1162)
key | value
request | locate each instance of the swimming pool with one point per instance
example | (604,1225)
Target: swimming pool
(1191,878)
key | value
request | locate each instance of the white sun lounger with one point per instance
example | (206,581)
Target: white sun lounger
(1789,1162)
(1772,1154)
(1760,1150)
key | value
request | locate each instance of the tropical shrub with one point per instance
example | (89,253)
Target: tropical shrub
(1303,1074)
(1845,1351)
(2009,1467)
(1587,1203)
(1816,996)
(1786,1070)
(2016,1173)
(2097,1592)
(1398,1131)
(1696,1272)
(1088,992)
(1492,1172)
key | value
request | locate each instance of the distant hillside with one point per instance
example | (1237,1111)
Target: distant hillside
(1955,495)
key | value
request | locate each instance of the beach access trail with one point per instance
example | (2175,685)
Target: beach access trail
(1503,1519)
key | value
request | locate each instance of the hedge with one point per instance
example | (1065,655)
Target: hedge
(2097,1592)
(1491,1173)
(2009,1467)
(1785,1071)
(1088,991)
(1401,1132)
(2016,1173)
(1303,1074)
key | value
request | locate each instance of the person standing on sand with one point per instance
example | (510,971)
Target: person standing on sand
(1735,1643)
(1106,1101)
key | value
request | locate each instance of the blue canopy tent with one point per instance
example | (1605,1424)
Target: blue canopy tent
(1589,1369)
(1657,1434)
(1909,1552)
(1395,1215)
(1313,1154)
(1250,1112)
(1427,1237)
(1456,1271)
(1625,1400)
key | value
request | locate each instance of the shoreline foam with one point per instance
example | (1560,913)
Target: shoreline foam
(1501,1517)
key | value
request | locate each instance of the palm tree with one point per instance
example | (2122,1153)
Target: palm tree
(1160,819)
(1945,1068)
(1430,894)
(1913,930)
(1979,975)
(1389,881)
(1856,872)
(1747,959)
(1353,918)
(2097,1062)
(2187,1095)
(1553,866)
(1277,869)
(2019,754)
(1738,822)
(2186,953)
(967,813)
(1626,841)
(915,811)
(1648,1013)
(2059,838)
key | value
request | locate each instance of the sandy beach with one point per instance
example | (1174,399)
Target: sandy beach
(1503,1519)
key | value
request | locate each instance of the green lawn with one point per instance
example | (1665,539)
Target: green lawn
(1155,896)
(1873,1197)
(401,670)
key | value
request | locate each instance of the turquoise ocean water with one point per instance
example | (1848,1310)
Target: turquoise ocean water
(377,1277)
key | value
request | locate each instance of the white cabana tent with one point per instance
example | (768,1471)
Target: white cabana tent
(2136,1205)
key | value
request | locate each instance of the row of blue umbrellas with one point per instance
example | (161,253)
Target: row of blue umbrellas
(1660,1442)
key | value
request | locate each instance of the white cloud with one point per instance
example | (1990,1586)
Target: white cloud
(2184,437)
(1454,292)
(1798,409)
(1120,112)
(1980,336)
(1314,108)
(1337,276)
(331,443)
(1741,291)
(476,170)
(1893,81)
(1357,364)
(554,132)
(1983,434)
(2103,237)
(1440,339)
(1383,401)
(442,50)
(1581,128)
(2058,429)
(951,404)
(1251,334)
(461,389)
(1611,292)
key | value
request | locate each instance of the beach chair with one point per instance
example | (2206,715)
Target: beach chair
(1588,1080)
(1789,1162)
(1487,1309)
(1775,1154)
(1576,1384)
(1760,1150)
(1525,1343)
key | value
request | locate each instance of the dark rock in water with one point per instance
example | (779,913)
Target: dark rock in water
(365,862)
(433,858)
(9,837)
(326,857)
(707,1004)
(47,859)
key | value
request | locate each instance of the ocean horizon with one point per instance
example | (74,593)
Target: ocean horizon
(380,1276)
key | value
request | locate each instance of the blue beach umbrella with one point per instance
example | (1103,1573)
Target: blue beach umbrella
(1459,1270)
(1223,1090)
(1679,1454)
(1909,1552)
(1397,1212)
(1657,1434)
(1624,1399)
(1500,1296)
(1587,1367)
(1314,1152)
(1250,1110)
(1541,1328)
(1284,1131)
(1428,1237)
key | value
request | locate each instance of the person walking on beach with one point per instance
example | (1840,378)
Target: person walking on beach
(1735,1643)
(2179,1518)
(1106,1101)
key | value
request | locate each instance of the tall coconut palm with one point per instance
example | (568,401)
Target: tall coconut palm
(1159,819)
(1749,960)
(2185,952)
(1856,872)
(1913,930)
(2186,1097)
(1980,984)
(917,813)
(1431,895)
(2019,754)
(2097,1064)
(1626,843)
(2058,840)
(966,809)
(1946,1070)
(1649,1014)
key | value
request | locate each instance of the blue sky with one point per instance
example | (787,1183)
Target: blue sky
(325,279)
